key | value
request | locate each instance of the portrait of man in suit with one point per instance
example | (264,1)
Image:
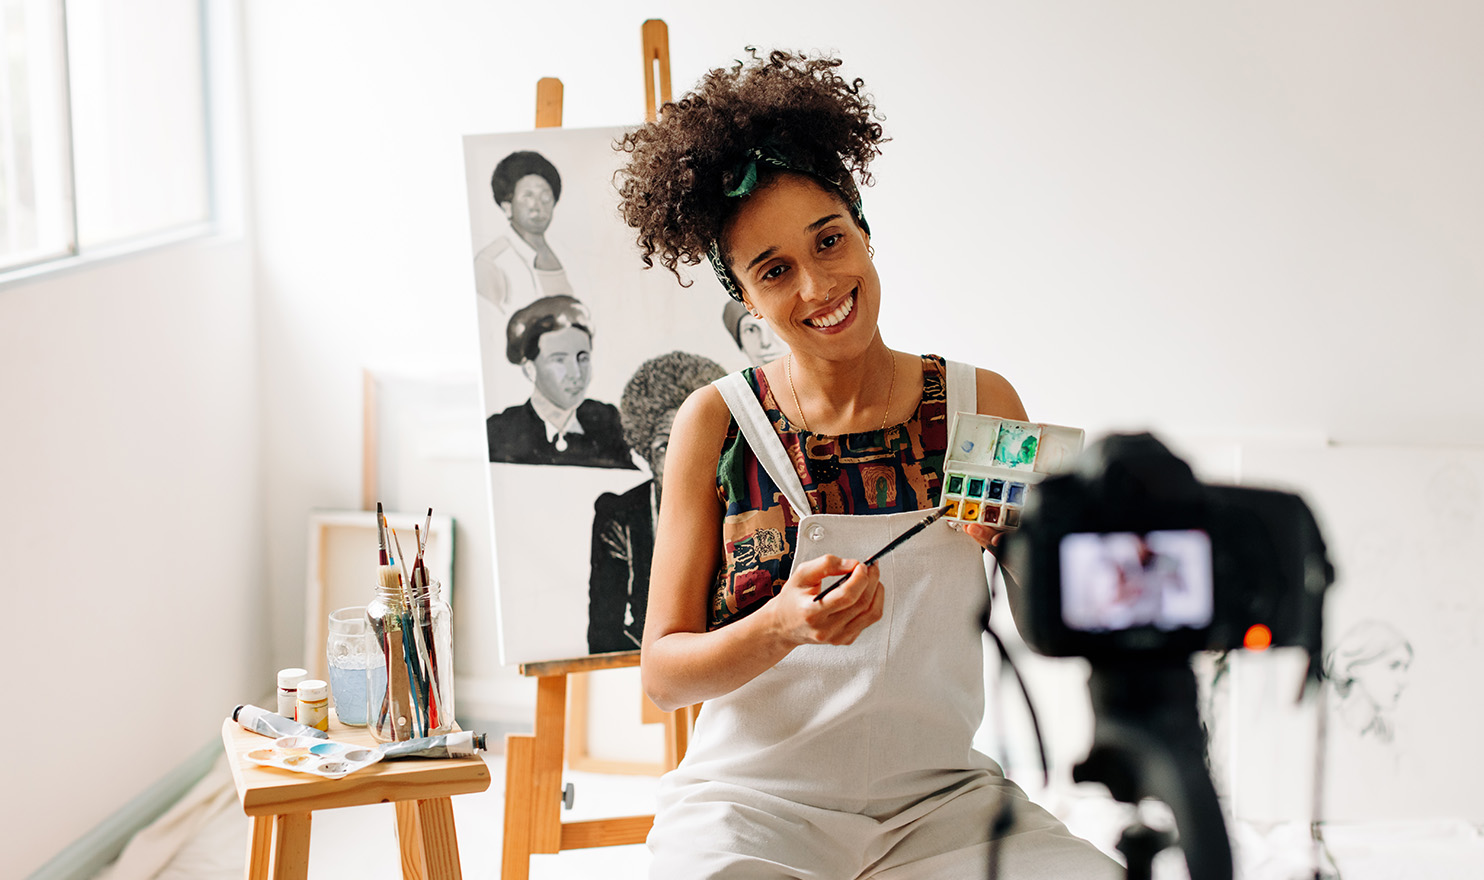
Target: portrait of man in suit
(551,340)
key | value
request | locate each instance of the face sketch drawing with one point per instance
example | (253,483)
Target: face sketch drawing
(753,336)
(1367,669)
(562,367)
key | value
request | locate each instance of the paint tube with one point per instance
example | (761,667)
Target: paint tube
(268,724)
(460,744)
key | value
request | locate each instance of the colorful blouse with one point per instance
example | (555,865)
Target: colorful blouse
(881,471)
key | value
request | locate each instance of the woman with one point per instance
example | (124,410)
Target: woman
(835,740)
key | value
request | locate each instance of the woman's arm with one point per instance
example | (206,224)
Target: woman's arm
(681,663)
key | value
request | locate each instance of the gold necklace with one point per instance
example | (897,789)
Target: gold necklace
(892,386)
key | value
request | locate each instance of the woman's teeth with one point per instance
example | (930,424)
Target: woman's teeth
(837,315)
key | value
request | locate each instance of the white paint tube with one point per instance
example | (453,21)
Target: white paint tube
(262,721)
(460,744)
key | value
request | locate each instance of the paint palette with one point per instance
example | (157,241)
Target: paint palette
(318,757)
(992,463)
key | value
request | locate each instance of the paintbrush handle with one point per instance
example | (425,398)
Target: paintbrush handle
(891,545)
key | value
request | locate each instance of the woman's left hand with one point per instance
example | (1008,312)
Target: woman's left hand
(987,536)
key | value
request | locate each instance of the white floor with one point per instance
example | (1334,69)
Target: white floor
(205,838)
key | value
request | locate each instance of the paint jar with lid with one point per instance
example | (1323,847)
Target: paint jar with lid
(288,690)
(314,703)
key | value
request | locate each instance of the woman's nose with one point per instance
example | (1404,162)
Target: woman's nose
(814,283)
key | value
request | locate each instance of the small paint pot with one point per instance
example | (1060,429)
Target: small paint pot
(297,760)
(955,484)
(326,749)
(996,490)
(356,756)
(332,767)
(261,755)
(991,513)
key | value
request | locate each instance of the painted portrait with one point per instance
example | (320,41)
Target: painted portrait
(583,357)
(623,524)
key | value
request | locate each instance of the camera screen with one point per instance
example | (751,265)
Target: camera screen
(1120,580)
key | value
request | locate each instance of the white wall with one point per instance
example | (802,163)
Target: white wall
(1211,220)
(131,526)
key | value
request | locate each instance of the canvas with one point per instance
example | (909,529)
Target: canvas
(585,354)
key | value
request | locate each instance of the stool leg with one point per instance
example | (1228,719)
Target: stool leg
(291,847)
(259,847)
(409,841)
(440,841)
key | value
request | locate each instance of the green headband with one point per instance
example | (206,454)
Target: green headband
(747,171)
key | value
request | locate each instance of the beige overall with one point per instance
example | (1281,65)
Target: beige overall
(857,761)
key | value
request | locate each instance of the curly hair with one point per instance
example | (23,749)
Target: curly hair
(656,389)
(674,187)
(520,164)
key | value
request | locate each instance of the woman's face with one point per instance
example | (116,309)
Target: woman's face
(530,207)
(801,261)
(758,342)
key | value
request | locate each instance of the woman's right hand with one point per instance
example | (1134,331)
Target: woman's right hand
(838,618)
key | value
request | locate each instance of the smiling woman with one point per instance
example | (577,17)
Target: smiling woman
(852,715)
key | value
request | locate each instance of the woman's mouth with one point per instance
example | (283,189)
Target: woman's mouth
(841,312)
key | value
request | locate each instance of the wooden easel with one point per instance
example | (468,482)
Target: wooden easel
(534,793)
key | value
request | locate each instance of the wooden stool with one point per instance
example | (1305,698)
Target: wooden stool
(280,803)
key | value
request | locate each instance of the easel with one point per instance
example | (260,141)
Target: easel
(534,793)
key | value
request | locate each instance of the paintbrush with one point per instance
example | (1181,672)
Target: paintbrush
(895,543)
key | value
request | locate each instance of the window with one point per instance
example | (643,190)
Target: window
(102,125)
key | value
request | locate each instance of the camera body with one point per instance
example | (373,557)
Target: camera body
(1129,558)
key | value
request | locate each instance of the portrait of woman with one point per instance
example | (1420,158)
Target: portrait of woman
(757,342)
(1367,669)
(517,269)
(835,736)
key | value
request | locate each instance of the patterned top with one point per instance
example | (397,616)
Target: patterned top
(900,468)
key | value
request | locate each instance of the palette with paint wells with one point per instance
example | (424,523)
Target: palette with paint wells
(992,463)
(318,757)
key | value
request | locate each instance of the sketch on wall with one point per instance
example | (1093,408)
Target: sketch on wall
(1367,674)
(1404,630)
(576,339)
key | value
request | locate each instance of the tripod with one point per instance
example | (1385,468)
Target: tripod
(1147,742)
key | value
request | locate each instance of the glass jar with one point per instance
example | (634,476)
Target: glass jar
(349,660)
(410,674)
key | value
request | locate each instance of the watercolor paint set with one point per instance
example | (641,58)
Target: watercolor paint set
(317,757)
(992,465)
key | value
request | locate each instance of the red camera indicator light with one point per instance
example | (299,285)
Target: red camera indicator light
(1258,638)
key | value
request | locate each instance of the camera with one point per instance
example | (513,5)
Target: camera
(1130,561)
(1128,557)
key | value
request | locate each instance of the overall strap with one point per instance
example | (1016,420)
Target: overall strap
(963,389)
(753,422)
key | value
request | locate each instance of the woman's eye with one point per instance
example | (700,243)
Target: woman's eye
(773,272)
(830,240)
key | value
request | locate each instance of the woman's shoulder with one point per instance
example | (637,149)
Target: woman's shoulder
(997,397)
(703,417)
